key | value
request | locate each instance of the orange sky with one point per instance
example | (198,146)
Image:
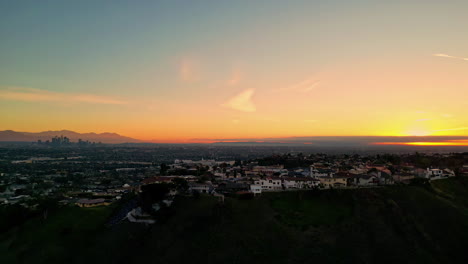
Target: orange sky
(234,71)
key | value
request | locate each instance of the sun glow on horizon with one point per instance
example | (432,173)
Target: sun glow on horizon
(427,143)
(418,132)
(235,70)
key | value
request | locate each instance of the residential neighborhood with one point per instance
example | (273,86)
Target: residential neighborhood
(57,177)
(75,177)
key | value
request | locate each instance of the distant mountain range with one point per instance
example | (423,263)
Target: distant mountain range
(110,138)
(316,142)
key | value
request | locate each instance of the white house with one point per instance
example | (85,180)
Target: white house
(138,216)
(270,183)
(290,183)
(433,174)
(448,173)
(315,172)
(436,174)
(200,187)
(256,189)
(306,183)
(300,182)
(366,180)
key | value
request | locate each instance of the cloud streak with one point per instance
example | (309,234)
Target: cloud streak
(442,55)
(242,102)
(235,78)
(304,86)
(188,71)
(452,129)
(38,95)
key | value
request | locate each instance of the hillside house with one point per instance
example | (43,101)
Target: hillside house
(200,187)
(320,172)
(270,183)
(366,180)
(436,174)
(306,183)
(256,189)
(333,182)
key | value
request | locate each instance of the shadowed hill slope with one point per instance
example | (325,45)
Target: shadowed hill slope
(408,224)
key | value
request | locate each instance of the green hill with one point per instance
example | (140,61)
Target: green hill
(407,224)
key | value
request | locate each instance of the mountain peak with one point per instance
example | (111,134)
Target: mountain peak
(106,137)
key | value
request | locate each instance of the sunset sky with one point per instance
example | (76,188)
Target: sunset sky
(178,71)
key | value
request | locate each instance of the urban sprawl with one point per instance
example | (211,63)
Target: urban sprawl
(102,176)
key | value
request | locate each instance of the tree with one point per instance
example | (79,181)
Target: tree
(163,169)
(201,170)
(180,184)
(202,179)
(419,182)
(152,193)
(106,181)
(196,194)
(47,205)
(245,196)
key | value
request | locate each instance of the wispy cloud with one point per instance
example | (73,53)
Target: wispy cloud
(422,119)
(449,56)
(188,71)
(452,129)
(242,102)
(38,95)
(303,86)
(235,78)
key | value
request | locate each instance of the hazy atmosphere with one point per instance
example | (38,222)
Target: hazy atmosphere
(233,131)
(181,71)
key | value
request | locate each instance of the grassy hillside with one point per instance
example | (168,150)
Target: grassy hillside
(55,239)
(454,190)
(427,224)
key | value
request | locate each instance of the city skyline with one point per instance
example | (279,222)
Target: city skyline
(176,72)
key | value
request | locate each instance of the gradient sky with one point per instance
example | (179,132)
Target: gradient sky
(174,71)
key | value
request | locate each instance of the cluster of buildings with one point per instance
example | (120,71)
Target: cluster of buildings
(229,177)
(84,182)
(58,179)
